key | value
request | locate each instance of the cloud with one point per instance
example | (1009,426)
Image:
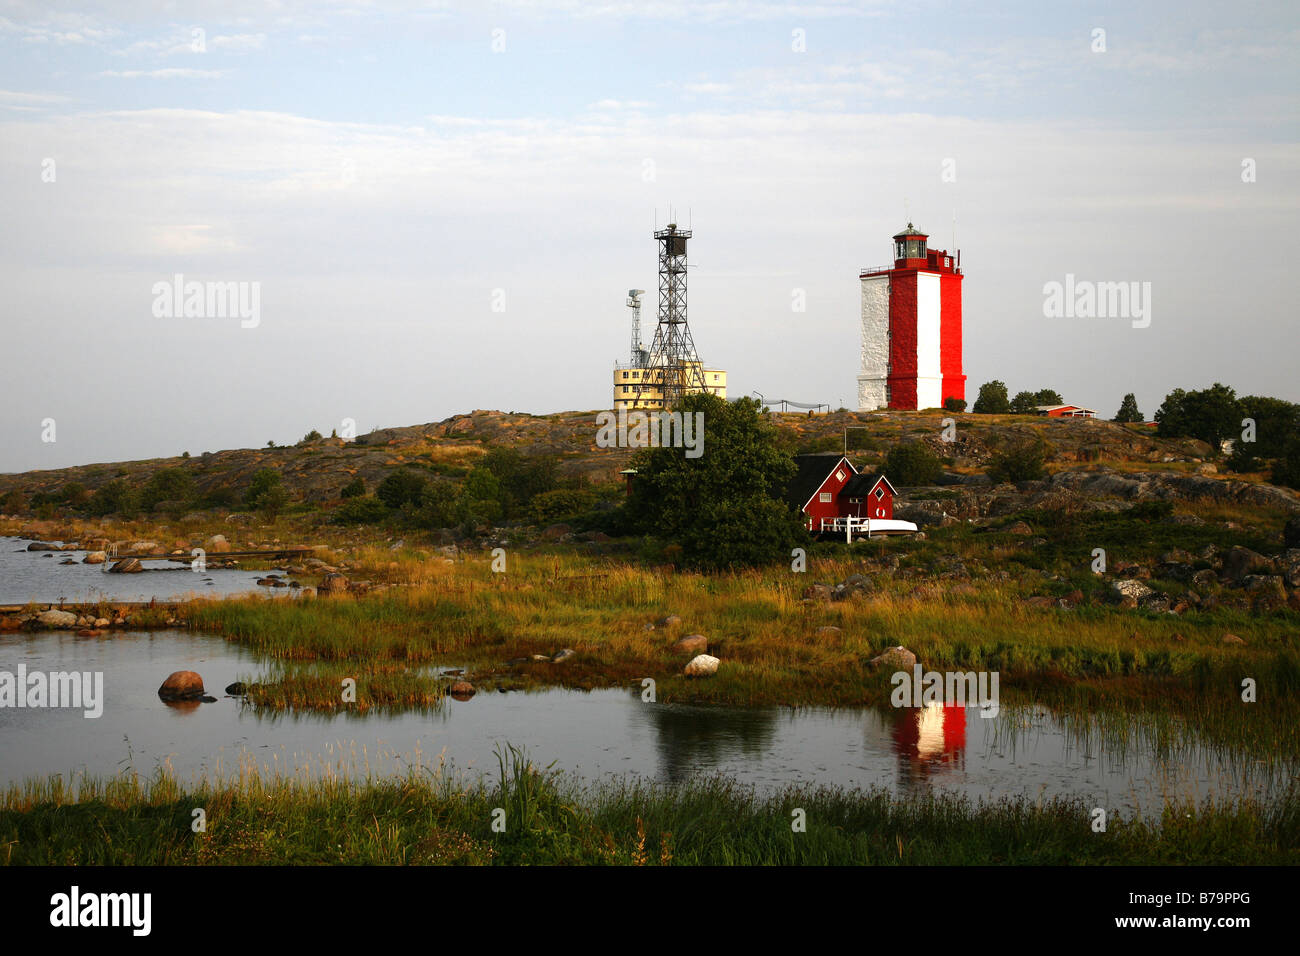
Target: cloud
(169,73)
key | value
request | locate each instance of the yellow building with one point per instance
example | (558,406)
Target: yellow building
(629,381)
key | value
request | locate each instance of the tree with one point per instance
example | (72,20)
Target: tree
(1286,470)
(1048,396)
(263,480)
(112,497)
(438,505)
(910,464)
(400,487)
(951,404)
(726,507)
(992,399)
(266,493)
(271,502)
(310,437)
(1128,410)
(1210,414)
(364,510)
(354,488)
(1023,461)
(1023,403)
(167,484)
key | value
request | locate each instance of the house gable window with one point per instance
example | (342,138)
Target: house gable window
(825,497)
(880,493)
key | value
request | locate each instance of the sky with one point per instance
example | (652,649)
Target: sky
(441,206)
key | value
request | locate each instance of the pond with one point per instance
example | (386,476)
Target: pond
(595,735)
(40,576)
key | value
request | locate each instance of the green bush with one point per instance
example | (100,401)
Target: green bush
(167,484)
(365,510)
(911,464)
(954,404)
(1021,462)
(401,487)
(560,505)
(354,488)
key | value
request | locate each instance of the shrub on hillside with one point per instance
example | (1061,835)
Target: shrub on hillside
(560,505)
(365,510)
(912,463)
(954,404)
(354,488)
(401,487)
(1023,461)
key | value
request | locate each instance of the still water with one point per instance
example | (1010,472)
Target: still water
(39,576)
(597,736)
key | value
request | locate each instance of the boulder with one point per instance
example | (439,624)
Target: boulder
(237,689)
(56,619)
(127,566)
(332,584)
(669,620)
(216,544)
(461,690)
(563,655)
(1240,562)
(899,658)
(1289,565)
(1018,527)
(692,644)
(817,592)
(182,685)
(95,557)
(554,532)
(1131,588)
(1232,639)
(702,666)
(42,546)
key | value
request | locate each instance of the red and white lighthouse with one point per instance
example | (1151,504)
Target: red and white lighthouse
(911,328)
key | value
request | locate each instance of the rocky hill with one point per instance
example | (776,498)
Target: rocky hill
(317,471)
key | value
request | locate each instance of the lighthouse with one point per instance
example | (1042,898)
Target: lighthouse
(911,328)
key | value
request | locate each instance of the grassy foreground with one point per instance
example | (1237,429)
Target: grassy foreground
(432,819)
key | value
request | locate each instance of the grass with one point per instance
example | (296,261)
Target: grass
(433,818)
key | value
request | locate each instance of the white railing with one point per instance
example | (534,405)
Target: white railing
(866,269)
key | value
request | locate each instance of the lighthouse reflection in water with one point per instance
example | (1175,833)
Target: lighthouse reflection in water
(929,741)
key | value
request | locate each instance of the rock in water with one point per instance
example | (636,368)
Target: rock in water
(95,557)
(461,690)
(42,546)
(237,689)
(56,619)
(127,566)
(702,666)
(182,685)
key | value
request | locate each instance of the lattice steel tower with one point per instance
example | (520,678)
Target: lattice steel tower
(674,367)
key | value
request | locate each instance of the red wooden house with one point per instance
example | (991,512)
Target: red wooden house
(830,491)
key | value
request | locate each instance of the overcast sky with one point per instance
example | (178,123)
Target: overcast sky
(388,172)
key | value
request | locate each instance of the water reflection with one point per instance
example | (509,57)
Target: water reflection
(928,741)
(689,739)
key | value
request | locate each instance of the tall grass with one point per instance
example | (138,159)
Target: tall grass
(544,818)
